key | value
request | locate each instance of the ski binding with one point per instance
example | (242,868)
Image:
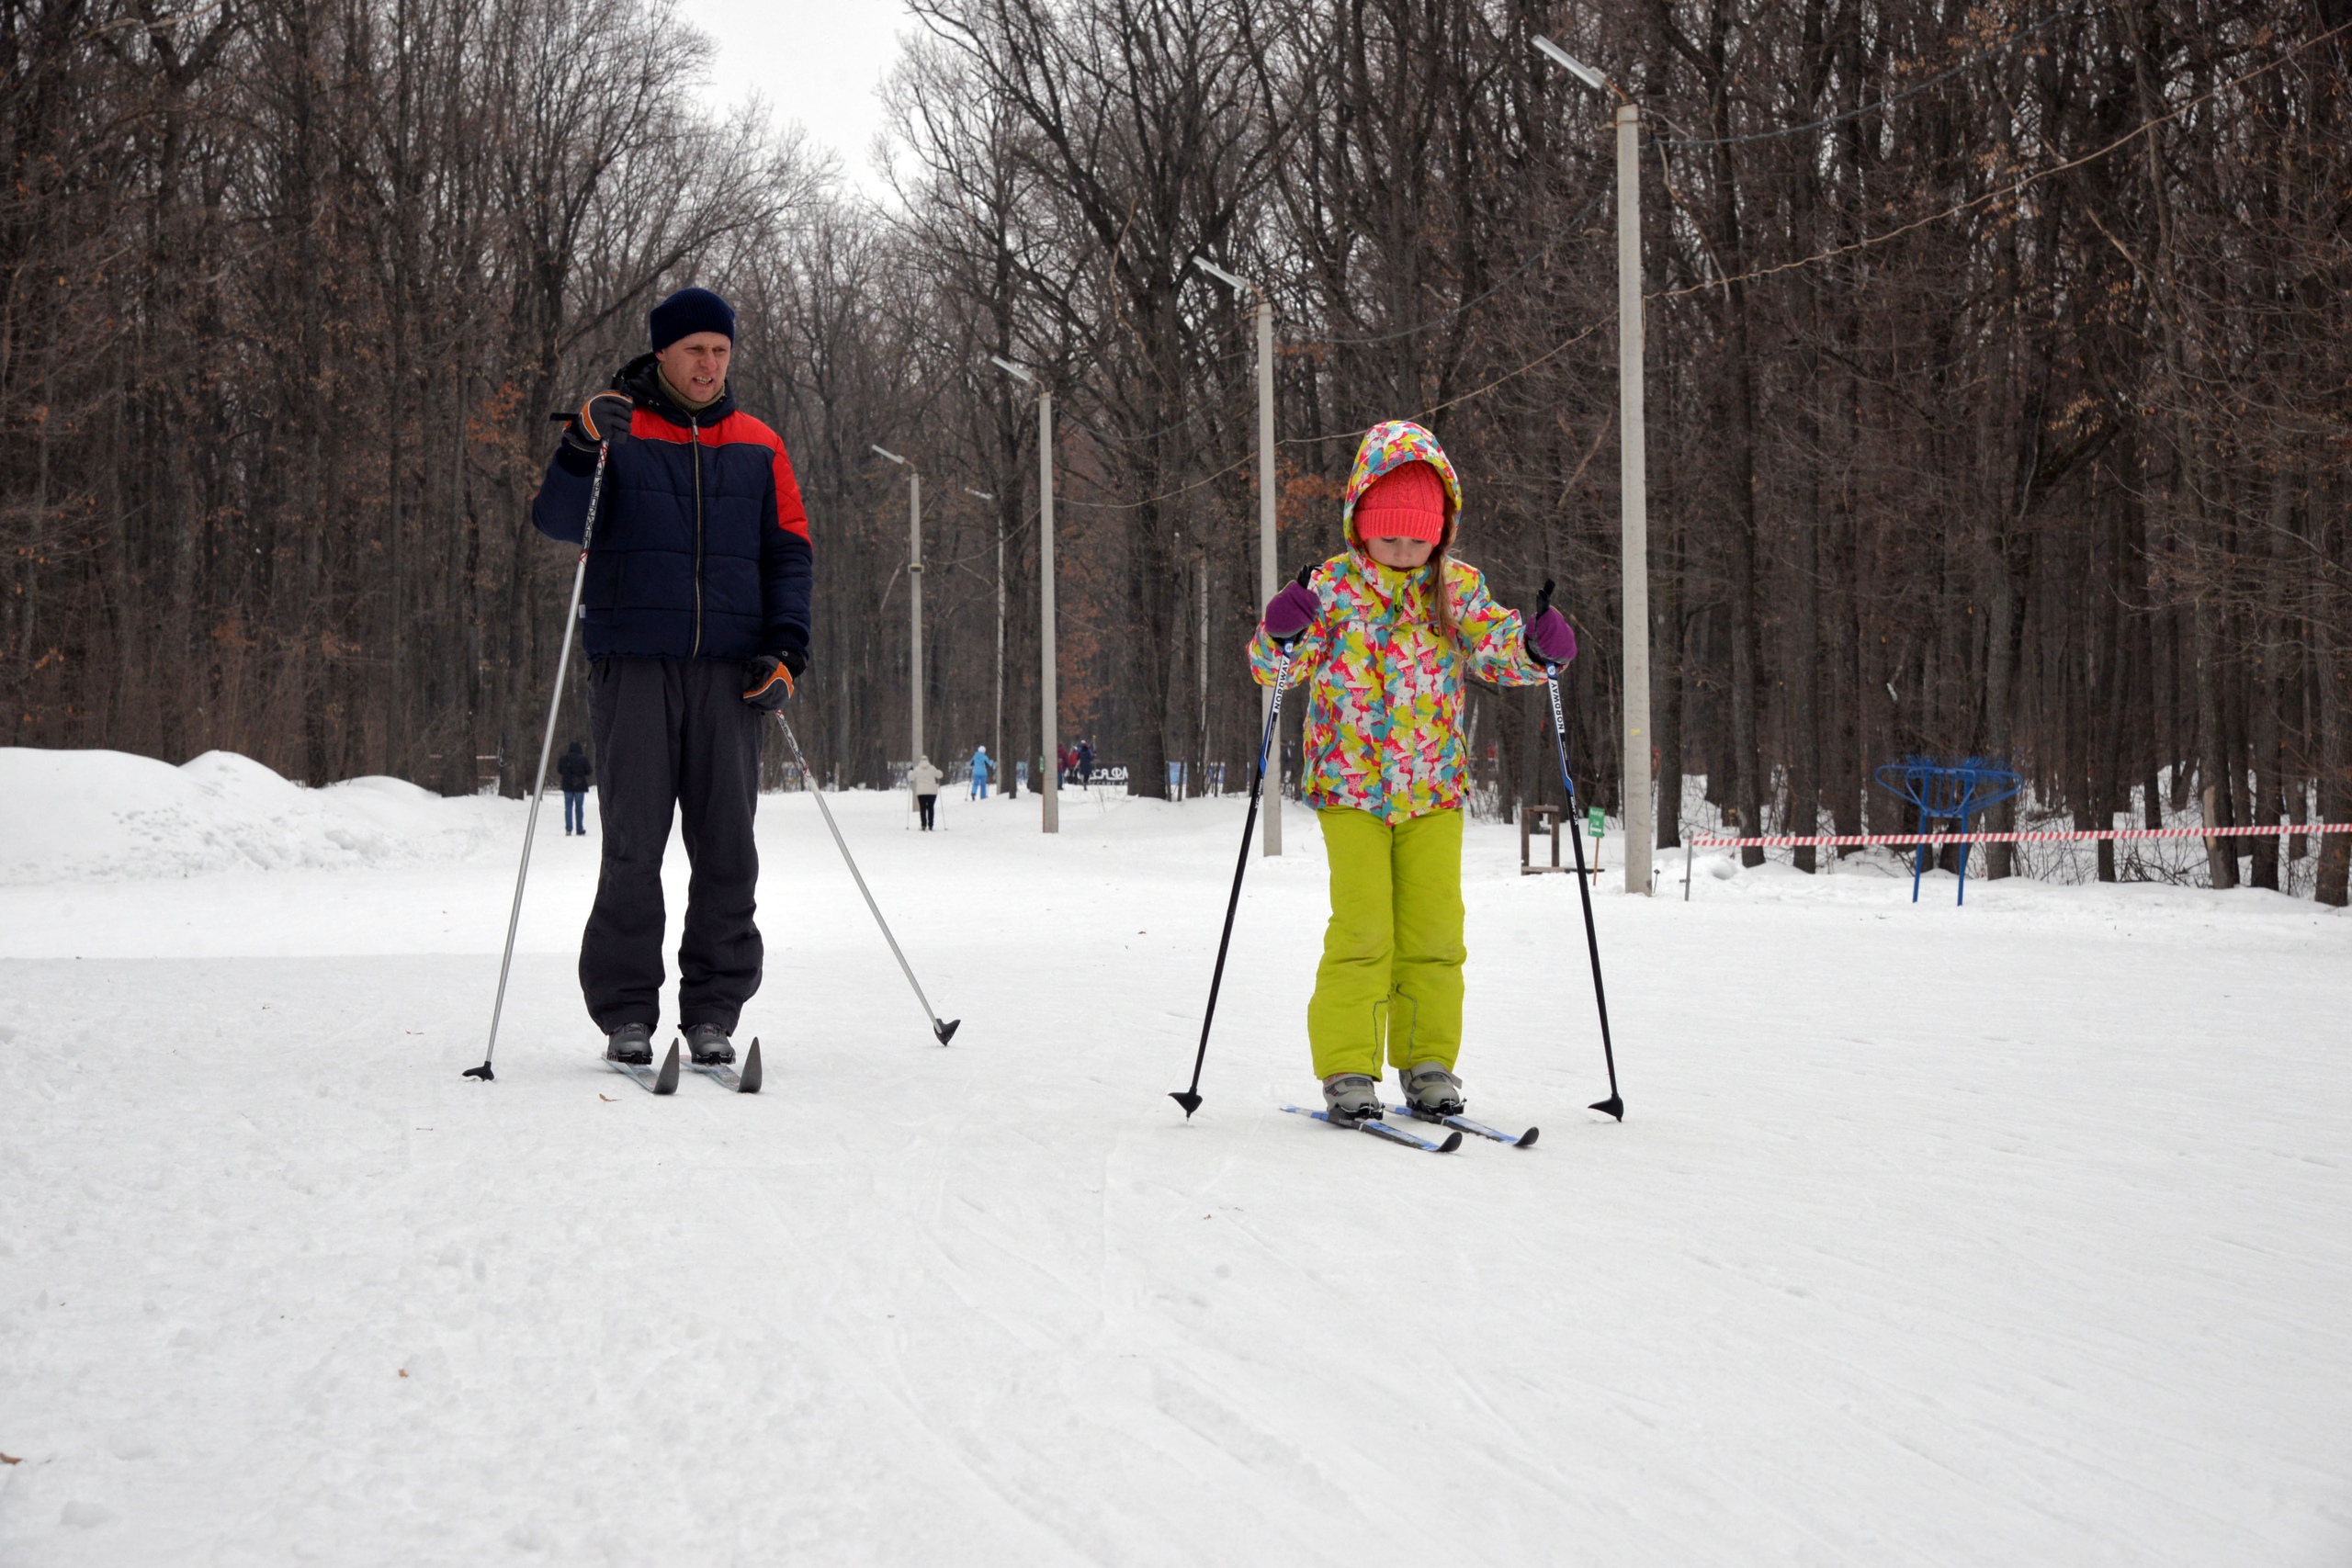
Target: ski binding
(1382,1131)
(746,1082)
(663,1081)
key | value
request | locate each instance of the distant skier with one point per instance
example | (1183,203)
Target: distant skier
(573,768)
(695,624)
(924,779)
(981,767)
(1381,637)
(1082,761)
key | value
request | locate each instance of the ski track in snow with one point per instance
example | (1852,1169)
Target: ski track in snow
(2015,1234)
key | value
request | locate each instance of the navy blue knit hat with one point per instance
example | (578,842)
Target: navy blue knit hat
(688,311)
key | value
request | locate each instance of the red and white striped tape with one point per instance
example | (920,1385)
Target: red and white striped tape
(1826,841)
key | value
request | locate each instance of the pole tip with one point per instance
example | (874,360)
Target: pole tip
(1191,1102)
(1612,1106)
(481,1072)
(946,1031)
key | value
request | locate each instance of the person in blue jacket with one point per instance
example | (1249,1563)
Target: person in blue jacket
(695,620)
(981,767)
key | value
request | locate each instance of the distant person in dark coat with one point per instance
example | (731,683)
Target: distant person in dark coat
(573,768)
(694,619)
(1085,762)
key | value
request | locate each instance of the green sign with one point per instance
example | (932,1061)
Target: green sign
(1592,821)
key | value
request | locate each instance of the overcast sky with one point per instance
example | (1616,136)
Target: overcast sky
(817,61)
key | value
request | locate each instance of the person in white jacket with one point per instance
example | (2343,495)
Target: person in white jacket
(924,779)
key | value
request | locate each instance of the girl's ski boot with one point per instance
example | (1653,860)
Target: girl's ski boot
(1350,1098)
(1430,1089)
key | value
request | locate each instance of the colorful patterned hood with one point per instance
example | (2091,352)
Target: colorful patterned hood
(1392,443)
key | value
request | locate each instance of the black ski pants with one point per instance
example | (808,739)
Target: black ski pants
(673,734)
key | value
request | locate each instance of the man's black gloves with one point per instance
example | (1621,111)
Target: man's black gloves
(768,680)
(601,419)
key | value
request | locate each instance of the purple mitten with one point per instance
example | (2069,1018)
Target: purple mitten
(1291,611)
(1551,640)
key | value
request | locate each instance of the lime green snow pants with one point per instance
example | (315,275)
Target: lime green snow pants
(1391,976)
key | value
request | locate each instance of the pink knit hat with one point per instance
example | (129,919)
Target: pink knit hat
(1407,501)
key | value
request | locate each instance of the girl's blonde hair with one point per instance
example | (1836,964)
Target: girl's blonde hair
(1441,599)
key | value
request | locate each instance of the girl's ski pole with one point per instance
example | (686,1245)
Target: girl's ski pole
(944,1029)
(1190,1099)
(1614,1105)
(555,705)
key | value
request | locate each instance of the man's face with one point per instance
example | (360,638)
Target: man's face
(697,365)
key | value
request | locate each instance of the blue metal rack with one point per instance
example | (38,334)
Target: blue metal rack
(1948,792)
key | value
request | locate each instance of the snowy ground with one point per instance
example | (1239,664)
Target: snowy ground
(2013,1234)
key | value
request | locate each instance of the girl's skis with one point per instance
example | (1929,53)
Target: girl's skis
(1383,1130)
(1523,1141)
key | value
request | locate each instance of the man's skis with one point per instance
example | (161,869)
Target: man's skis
(1463,1123)
(746,1082)
(1383,1130)
(665,1081)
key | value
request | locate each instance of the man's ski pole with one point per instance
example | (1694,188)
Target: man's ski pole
(944,1029)
(555,706)
(1190,1099)
(1614,1105)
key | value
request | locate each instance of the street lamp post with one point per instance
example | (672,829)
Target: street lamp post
(1633,472)
(1269,569)
(914,600)
(996,735)
(1048,699)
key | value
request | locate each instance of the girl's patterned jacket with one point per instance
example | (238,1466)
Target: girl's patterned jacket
(1383,688)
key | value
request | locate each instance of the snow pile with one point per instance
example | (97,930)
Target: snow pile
(104,816)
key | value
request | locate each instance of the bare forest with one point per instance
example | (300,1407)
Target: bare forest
(1999,358)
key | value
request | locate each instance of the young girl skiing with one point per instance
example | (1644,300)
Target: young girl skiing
(1381,637)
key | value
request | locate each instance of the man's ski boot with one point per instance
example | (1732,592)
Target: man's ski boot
(1431,1090)
(709,1046)
(1350,1097)
(631,1044)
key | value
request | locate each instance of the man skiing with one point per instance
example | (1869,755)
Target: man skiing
(980,768)
(695,618)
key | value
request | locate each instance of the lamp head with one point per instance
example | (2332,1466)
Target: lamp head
(1219,274)
(1572,65)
